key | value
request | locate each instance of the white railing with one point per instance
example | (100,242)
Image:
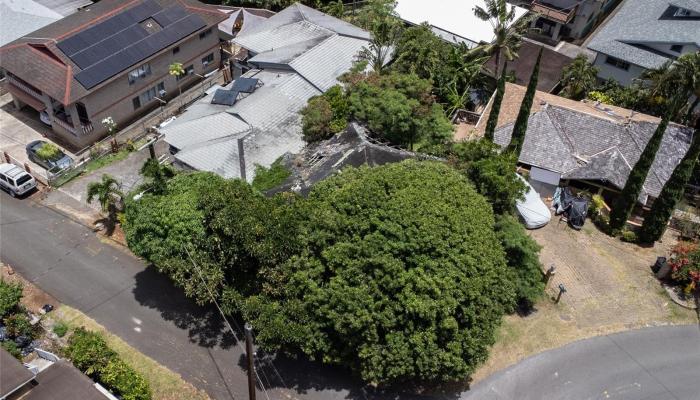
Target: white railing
(25,88)
(560,15)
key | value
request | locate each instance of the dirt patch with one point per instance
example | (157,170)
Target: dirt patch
(33,297)
(610,288)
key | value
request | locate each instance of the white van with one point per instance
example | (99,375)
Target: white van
(16,180)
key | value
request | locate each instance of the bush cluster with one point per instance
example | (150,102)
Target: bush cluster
(89,353)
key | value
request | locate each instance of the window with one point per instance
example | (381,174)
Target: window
(176,50)
(2,178)
(148,95)
(189,70)
(617,63)
(677,48)
(23,179)
(204,34)
(139,73)
(208,59)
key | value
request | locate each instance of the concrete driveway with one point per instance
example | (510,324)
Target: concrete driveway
(20,127)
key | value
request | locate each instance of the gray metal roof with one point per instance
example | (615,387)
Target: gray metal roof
(267,121)
(583,146)
(323,64)
(65,7)
(640,22)
(20,17)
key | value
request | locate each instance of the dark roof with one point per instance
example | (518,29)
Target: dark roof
(12,373)
(63,381)
(551,65)
(63,59)
(351,148)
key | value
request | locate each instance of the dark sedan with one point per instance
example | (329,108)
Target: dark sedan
(54,164)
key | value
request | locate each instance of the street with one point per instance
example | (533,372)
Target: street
(661,363)
(71,263)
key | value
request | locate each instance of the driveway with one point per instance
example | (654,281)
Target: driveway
(20,127)
(661,363)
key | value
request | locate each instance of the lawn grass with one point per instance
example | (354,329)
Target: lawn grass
(165,384)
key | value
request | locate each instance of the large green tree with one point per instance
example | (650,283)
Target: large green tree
(400,109)
(578,78)
(656,220)
(624,204)
(401,277)
(678,78)
(520,126)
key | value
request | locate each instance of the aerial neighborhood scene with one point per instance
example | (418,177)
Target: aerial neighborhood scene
(349,199)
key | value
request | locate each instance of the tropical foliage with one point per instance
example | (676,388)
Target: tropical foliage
(269,178)
(656,220)
(578,78)
(48,151)
(507,35)
(685,265)
(10,295)
(492,122)
(109,195)
(520,126)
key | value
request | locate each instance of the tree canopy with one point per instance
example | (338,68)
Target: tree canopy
(401,277)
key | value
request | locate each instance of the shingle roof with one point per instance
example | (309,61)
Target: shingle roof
(564,138)
(36,58)
(637,23)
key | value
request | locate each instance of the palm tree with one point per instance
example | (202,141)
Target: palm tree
(159,175)
(108,194)
(680,77)
(507,38)
(175,69)
(578,78)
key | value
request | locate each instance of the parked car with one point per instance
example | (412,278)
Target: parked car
(58,163)
(534,213)
(16,180)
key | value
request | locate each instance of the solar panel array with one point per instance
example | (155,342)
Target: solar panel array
(119,42)
(225,97)
(245,85)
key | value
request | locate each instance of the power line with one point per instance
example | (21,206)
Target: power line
(216,303)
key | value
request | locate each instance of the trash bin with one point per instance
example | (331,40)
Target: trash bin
(660,261)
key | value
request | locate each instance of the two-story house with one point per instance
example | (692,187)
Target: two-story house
(639,37)
(565,19)
(110,60)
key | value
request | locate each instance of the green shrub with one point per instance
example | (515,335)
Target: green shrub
(10,295)
(600,96)
(124,381)
(18,325)
(48,151)
(12,348)
(628,236)
(269,178)
(88,351)
(522,256)
(60,329)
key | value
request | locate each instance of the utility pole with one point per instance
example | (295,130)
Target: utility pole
(251,365)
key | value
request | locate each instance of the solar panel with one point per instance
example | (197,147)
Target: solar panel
(94,34)
(225,97)
(138,51)
(245,85)
(169,15)
(109,46)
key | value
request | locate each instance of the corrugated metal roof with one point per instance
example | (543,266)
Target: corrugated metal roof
(20,17)
(635,23)
(323,64)
(204,129)
(218,156)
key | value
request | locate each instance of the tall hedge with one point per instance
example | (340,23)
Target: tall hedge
(520,126)
(402,278)
(624,204)
(496,106)
(655,222)
(10,295)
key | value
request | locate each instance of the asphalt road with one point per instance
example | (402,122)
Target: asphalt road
(69,261)
(661,363)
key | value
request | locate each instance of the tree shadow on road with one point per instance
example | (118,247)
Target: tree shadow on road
(298,375)
(204,324)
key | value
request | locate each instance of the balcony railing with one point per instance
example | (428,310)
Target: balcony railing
(25,88)
(563,16)
(85,126)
